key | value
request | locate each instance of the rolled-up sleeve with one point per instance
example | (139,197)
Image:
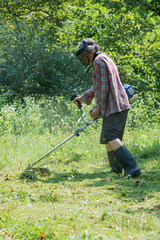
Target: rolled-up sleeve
(101,84)
(88,96)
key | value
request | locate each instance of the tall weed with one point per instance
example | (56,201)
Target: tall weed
(143,113)
(37,116)
(48,114)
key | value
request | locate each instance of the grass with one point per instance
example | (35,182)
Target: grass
(74,197)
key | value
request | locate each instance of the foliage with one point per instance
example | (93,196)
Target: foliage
(46,72)
(130,37)
(30,63)
(33,116)
(144,112)
(38,39)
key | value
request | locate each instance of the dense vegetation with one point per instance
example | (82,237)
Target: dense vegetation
(70,195)
(38,39)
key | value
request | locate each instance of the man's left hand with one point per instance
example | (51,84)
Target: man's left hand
(95,112)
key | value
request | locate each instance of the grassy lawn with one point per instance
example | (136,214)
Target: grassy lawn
(70,195)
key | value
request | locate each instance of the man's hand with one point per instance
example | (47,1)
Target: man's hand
(95,112)
(79,99)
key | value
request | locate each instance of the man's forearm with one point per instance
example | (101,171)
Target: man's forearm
(88,96)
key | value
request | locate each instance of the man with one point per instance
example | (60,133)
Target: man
(111,104)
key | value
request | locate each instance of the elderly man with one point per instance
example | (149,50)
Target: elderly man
(111,104)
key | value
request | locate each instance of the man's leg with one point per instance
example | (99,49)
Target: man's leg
(113,128)
(115,165)
(119,156)
(114,145)
(124,157)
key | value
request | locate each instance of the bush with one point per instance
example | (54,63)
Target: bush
(41,70)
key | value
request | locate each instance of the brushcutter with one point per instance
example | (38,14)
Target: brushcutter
(76,133)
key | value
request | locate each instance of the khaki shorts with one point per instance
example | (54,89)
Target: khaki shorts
(113,126)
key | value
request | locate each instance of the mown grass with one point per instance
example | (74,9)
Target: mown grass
(76,198)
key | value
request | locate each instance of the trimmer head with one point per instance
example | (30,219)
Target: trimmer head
(29,168)
(28,174)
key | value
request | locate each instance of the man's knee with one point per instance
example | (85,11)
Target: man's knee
(108,147)
(115,144)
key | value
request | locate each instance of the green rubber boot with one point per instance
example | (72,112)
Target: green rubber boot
(128,162)
(115,165)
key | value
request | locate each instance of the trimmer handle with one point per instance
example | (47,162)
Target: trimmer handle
(79,104)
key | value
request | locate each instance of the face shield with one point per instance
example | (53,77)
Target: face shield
(82,58)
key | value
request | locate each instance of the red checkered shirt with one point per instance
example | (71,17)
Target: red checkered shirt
(107,87)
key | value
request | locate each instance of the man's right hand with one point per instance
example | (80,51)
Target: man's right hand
(95,112)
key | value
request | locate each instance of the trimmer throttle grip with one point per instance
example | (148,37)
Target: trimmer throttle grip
(79,104)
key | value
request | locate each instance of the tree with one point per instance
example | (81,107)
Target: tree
(39,37)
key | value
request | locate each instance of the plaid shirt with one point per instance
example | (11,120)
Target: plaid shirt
(107,87)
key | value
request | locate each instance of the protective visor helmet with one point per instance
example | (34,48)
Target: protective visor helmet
(82,49)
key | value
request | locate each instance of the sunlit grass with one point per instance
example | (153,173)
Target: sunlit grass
(78,200)
(70,195)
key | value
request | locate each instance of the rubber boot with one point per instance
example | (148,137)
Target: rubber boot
(128,162)
(115,165)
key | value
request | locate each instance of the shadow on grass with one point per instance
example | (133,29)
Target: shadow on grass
(147,182)
(138,189)
(54,177)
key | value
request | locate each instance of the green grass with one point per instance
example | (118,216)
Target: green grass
(75,198)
